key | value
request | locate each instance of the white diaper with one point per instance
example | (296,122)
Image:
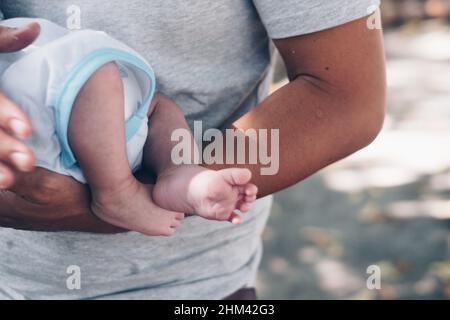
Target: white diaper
(45,78)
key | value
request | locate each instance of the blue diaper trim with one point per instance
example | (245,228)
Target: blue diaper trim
(75,80)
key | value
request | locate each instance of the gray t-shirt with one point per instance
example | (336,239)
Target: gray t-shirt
(212,58)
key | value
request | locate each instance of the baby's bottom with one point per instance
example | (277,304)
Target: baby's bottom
(97,137)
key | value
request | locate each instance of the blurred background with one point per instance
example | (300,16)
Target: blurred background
(387,205)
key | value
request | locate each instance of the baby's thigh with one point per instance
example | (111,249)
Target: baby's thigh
(153,105)
(106,79)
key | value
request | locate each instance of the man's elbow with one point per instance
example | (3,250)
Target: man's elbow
(374,123)
(368,118)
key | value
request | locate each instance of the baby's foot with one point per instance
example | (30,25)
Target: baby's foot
(210,194)
(130,206)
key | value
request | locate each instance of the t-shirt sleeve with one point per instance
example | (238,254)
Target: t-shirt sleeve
(288,18)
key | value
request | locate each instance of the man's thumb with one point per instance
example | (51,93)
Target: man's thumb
(15,39)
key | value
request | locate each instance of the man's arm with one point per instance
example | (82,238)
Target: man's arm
(333,106)
(46,201)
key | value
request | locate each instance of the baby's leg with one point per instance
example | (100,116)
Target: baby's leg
(191,188)
(97,137)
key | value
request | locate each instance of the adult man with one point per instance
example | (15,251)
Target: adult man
(212,58)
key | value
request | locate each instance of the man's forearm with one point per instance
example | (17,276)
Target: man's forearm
(19,213)
(49,202)
(316,128)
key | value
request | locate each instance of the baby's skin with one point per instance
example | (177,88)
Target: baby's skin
(210,194)
(97,137)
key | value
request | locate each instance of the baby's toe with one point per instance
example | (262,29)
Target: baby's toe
(170,223)
(175,223)
(236,176)
(222,215)
(160,231)
(168,232)
(251,198)
(179,216)
(251,190)
(244,207)
(235,219)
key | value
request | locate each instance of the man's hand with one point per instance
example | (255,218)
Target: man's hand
(14,124)
(45,201)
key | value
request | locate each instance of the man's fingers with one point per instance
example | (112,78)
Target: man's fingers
(12,39)
(6,177)
(12,119)
(15,153)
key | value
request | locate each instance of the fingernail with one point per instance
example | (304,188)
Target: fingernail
(17,31)
(21,160)
(21,29)
(19,127)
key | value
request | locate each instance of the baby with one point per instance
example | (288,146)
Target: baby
(77,88)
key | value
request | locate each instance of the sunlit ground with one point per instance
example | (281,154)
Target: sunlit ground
(387,205)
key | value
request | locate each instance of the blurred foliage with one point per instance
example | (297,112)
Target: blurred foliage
(397,12)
